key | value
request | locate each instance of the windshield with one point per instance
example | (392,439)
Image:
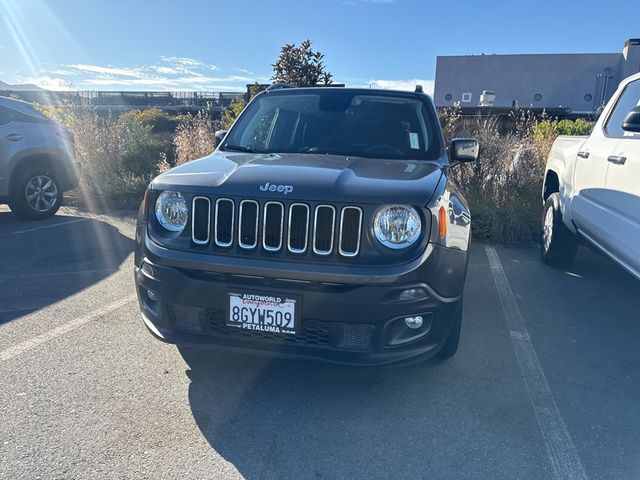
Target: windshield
(336,122)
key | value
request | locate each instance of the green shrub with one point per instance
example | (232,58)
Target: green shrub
(155,118)
(232,112)
(144,151)
(550,129)
(62,115)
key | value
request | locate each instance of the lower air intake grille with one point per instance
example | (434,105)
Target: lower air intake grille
(348,336)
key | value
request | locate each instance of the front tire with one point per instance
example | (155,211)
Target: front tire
(558,245)
(450,346)
(36,194)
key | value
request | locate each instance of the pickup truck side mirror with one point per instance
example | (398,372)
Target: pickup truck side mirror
(631,122)
(219,137)
(463,150)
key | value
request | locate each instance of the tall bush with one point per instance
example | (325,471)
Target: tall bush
(118,158)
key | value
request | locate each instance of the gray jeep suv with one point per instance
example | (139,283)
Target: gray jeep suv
(325,225)
(37,161)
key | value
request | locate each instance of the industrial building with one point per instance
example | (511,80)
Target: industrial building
(577,83)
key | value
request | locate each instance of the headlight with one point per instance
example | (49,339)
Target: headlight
(171,211)
(397,226)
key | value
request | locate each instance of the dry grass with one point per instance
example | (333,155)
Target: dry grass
(195,137)
(503,186)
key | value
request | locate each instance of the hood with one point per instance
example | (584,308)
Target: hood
(310,177)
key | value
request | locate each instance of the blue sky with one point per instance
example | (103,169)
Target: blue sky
(222,45)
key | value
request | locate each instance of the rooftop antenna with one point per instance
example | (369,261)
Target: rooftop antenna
(419,89)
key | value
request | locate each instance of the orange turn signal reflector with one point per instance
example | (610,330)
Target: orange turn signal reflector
(442,223)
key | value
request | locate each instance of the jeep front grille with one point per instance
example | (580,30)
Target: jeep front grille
(324,224)
(297,235)
(201,220)
(273,221)
(248,224)
(223,222)
(276,227)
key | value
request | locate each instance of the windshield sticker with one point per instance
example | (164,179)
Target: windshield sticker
(413,140)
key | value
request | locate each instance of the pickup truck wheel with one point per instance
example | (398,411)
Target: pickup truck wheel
(36,194)
(558,245)
(453,340)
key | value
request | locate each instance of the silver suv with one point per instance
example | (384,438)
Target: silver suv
(37,161)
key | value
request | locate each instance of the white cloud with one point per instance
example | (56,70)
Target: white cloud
(409,85)
(109,70)
(64,71)
(189,83)
(167,70)
(188,62)
(169,73)
(48,83)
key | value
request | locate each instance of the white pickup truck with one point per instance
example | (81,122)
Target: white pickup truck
(591,188)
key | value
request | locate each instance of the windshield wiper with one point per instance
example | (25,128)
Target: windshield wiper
(238,148)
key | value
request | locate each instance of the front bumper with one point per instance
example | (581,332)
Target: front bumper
(350,323)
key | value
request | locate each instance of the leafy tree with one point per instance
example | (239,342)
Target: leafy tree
(300,66)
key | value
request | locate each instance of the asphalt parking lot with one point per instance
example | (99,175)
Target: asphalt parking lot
(546,383)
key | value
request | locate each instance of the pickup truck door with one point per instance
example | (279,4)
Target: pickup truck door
(587,201)
(622,184)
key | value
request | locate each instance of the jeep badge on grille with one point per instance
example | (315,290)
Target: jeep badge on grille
(270,187)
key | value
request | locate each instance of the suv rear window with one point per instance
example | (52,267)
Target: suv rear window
(337,122)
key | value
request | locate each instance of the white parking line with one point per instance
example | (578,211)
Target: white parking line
(67,222)
(27,345)
(561,451)
(65,273)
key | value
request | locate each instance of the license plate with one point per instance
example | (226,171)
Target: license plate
(262,313)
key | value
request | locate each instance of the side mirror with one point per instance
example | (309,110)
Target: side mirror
(219,137)
(631,122)
(463,150)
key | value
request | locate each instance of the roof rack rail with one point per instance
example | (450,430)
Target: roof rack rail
(278,86)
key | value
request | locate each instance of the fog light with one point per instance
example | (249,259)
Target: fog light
(414,322)
(412,294)
(154,297)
